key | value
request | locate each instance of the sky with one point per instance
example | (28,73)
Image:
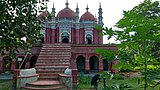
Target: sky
(112,9)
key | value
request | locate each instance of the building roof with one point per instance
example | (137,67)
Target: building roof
(87,16)
(66,13)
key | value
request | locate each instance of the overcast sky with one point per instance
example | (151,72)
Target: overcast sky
(112,9)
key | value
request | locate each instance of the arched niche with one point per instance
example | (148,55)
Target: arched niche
(80,63)
(93,61)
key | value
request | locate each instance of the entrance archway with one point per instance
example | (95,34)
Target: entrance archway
(6,66)
(65,37)
(33,61)
(105,64)
(89,39)
(20,62)
(93,61)
(80,63)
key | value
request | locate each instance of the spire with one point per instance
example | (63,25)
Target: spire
(77,13)
(87,8)
(100,17)
(46,6)
(53,11)
(99,5)
(67,3)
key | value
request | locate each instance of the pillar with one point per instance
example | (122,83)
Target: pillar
(74,79)
(100,66)
(13,65)
(87,66)
(115,70)
(1,62)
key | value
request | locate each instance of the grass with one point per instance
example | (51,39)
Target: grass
(128,81)
(5,84)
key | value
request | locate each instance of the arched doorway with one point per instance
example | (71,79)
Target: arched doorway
(81,64)
(89,39)
(33,61)
(6,66)
(93,61)
(105,64)
(20,62)
(65,37)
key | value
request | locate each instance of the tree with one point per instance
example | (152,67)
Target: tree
(19,25)
(139,31)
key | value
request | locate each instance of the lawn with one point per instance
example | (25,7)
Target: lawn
(5,84)
(84,83)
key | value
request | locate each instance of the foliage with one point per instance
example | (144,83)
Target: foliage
(19,25)
(108,55)
(118,87)
(84,80)
(123,66)
(138,31)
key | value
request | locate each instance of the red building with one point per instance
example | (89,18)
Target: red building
(69,40)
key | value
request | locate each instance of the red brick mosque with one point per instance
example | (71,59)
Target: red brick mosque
(69,40)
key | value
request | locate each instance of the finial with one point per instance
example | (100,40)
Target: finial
(67,3)
(53,4)
(46,6)
(100,5)
(77,4)
(87,8)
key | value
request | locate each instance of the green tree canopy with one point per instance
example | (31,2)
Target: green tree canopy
(139,31)
(19,25)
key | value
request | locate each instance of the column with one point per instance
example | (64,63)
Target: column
(13,65)
(87,66)
(1,66)
(100,66)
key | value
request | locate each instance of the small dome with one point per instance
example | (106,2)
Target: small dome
(43,14)
(66,13)
(87,16)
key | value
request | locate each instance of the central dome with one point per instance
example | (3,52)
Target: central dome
(87,16)
(66,13)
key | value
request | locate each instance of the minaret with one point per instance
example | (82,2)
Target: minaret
(77,14)
(100,17)
(53,13)
(77,24)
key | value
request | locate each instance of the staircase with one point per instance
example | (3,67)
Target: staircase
(52,61)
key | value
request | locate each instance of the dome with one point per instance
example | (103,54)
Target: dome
(43,14)
(87,16)
(66,13)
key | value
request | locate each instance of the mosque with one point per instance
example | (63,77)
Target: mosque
(70,41)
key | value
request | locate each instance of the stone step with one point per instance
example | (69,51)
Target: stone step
(53,61)
(48,58)
(55,53)
(55,50)
(45,71)
(54,58)
(62,48)
(44,85)
(50,64)
(48,77)
(51,67)
(57,44)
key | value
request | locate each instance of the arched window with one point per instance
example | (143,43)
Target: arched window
(6,64)
(65,37)
(93,61)
(80,64)
(89,39)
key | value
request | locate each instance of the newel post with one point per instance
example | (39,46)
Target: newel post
(16,73)
(74,79)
